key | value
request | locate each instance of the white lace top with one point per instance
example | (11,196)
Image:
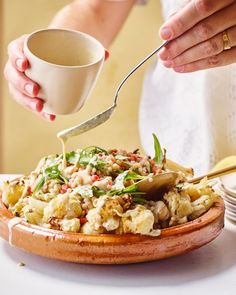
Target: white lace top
(194,115)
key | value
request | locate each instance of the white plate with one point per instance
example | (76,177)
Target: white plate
(230,207)
(230,216)
(222,192)
(228,182)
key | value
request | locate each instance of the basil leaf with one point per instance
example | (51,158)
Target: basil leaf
(72,157)
(158,151)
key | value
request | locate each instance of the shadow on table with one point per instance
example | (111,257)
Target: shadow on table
(206,262)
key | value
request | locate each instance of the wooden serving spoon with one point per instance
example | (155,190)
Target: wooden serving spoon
(155,186)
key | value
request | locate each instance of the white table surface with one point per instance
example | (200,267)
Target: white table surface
(208,270)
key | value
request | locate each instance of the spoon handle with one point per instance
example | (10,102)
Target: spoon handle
(135,68)
(214,174)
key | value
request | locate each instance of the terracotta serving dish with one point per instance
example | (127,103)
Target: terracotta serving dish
(113,249)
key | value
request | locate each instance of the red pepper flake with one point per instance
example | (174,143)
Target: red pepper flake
(83,220)
(64,188)
(29,190)
(113,151)
(95,178)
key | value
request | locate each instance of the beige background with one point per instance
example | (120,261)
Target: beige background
(26,138)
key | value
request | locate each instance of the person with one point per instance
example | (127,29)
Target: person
(193,113)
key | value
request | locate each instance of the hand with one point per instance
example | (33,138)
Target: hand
(196,36)
(23,90)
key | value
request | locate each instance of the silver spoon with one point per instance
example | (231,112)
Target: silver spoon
(105,115)
(155,186)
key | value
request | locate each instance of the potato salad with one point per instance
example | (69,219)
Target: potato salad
(94,191)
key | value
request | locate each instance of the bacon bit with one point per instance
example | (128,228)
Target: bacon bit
(64,188)
(95,178)
(123,166)
(29,190)
(133,157)
(152,162)
(53,221)
(113,151)
(156,170)
(83,220)
(110,182)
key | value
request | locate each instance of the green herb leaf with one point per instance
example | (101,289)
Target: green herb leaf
(132,190)
(97,192)
(49,173)
(158,151)
(39,185)
(98,164)
(134,176)
(52,172)
(87,153)
(72,157)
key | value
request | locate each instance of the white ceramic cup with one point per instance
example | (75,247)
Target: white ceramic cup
(65,64)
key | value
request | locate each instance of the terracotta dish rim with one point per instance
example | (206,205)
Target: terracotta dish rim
(208,217)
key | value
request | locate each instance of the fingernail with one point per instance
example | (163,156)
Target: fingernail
(29,88)
(19,63)
(179,69)
(165,33)
(48,117)
(107,54)
(33,105)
